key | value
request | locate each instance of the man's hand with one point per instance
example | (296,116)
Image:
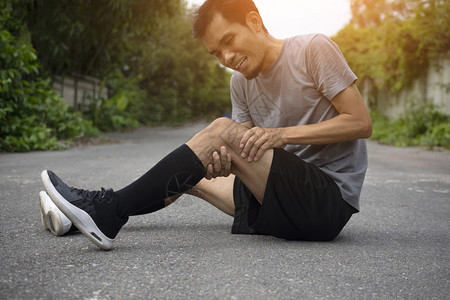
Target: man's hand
(221,165)
(256,141)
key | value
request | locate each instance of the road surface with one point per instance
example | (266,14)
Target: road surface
(396,248)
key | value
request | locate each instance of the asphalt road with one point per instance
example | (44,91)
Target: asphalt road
(396,248)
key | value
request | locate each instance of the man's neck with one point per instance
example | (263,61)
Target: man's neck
(274,47)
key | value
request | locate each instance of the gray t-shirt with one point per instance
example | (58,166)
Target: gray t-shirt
(296,90)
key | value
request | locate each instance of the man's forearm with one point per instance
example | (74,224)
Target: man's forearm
(352,122)
(341,128)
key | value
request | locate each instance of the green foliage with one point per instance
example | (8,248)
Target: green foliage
(32,115)
(392,42)
(142,49)
(183,80)
(111,114)
(90,37)
(419,126)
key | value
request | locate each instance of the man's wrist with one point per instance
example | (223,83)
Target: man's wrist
(284,135)
(291,135)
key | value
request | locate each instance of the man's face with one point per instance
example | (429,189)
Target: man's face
(236,46)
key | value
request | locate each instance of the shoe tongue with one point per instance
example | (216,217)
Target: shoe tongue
(56,181)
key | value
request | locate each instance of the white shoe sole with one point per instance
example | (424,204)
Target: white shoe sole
(79,217)
(52,218)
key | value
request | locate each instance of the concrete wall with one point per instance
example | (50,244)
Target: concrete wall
(432,87)
(78,92)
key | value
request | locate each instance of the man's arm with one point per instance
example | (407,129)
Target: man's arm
(352,123)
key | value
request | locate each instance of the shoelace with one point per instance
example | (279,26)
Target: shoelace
(87,195)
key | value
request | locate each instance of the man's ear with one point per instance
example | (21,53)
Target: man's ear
(254,21)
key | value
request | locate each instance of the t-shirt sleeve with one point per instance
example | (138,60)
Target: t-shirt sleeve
(328,67)
(240,112)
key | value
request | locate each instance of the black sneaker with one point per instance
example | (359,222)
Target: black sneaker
(92,212)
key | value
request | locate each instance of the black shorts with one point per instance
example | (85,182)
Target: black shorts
(300,202)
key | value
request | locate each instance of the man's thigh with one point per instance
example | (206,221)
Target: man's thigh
(300,202)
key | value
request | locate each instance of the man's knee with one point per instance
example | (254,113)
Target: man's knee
(221,124)
(226,130)
(221,132)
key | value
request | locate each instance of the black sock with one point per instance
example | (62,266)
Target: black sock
(174,174)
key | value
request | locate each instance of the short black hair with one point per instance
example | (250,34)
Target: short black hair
(232,10)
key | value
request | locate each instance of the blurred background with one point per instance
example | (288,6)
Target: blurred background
(72,69)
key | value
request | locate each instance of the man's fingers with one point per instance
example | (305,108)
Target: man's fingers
(225,160)
(221,164)
(223,157)
(256,141)
(209,172)
(216,163)
(251,139)
(256,148)
(261,152)
(244,138)
(228,166)
(245,141)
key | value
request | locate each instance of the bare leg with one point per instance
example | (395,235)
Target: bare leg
(225,132)
(218,192)
(170,200)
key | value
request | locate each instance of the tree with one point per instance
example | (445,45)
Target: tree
(372,13)
(141,49)
(32,115)
(180,76)
(392,42)
(91,37)
(143,46)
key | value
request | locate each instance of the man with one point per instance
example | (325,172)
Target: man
(290,164)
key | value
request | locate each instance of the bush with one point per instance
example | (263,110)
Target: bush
(392,42)
(112,114)
(419,126)
(32,115)
(36,118)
